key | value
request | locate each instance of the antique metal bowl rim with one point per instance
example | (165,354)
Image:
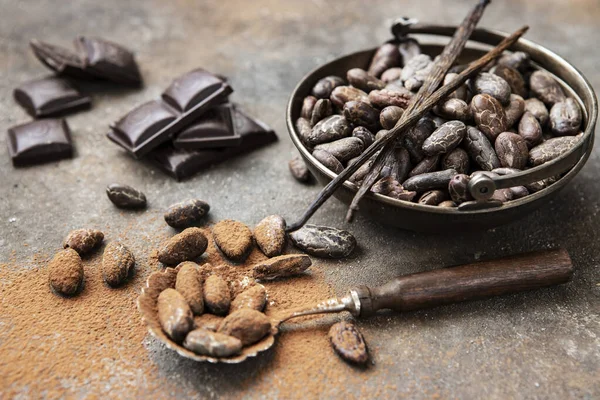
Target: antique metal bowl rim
(592,115)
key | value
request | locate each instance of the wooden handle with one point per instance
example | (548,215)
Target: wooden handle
(468,282)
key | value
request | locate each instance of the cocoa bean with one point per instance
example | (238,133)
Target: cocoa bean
(511,150)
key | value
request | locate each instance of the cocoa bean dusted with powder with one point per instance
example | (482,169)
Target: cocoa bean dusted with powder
(233,238)
(213,344)
(281,266)
(117,264)
(186,213)
(83,240)
(348,342)
(174,314)
(308,104)
(247,325)
(299,170)
(325,86)
(270,235)
(359,78)
(253,298)
(185,246)
(217,296)
(386,57)
(189,284)
(209,322)
(65,272)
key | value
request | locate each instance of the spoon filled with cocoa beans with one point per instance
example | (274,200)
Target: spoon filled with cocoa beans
(167,301)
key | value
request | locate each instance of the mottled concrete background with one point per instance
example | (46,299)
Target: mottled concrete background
(544,344)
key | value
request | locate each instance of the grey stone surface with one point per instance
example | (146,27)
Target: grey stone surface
(544,344)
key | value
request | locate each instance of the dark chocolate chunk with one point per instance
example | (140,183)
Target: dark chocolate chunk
(108,60)
(59,59)
(191,94)
(49,96)
(39,141)
(183,163)
(213,129)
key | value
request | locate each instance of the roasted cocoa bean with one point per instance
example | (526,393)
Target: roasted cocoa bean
(551,149)
(386,56)
(505,171)
(411,67)
(457,159)
(514,110)
(343,94)
(409,48)
(447,204)
(233,238)
(343,149)
(416,136)
(281,266)
(433,197)
(117,264)
(530,130)
(459,188)
(539,185)
(65,272)
(428,164)
(213,344)
(124,196)
(389,116)
(565,118)
(493,85)
(321,110)
(391,74)
(511,150)
(479,148)
(546,88)
(348,342)
(217,296)
(299,170)
(186,213)
(185,246)
(174,314)
(331,128)
(358,176)
(519,192)
(489,116)
(304,130)
(538,109)
(270,235)
(247,325)
(429,181)
(461,92)
(513,77)
(399,164)
(415,82)
(518,60)
(381,133)
(363,134)
(253,298)
(324,241)
(83,240)
(308,106)
(453,109)
(361,79)
(328,160)
(390,96)
(502,195)
(189,284)
(360,113)
(390,187)
(445,138)
(324,87)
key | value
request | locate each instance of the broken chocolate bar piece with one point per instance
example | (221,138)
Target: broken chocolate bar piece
(108,60)
(214,129)
(191,94)
(39,142)
(184,163)
(50,96)
(59,59)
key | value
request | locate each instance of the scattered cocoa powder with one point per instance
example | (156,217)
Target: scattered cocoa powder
(83,240)
(189,285)
(207,321)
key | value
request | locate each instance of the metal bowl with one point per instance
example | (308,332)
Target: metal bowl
(425,218)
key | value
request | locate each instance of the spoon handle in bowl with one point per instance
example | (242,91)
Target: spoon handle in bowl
(468,282)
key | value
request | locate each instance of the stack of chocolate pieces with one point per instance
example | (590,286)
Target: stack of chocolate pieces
(44,140)
(190,127)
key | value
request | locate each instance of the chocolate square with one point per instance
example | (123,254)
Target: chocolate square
(141,123)
(50,96)
(59,59)
(109,60)
(39,141)
(188,90)
(214,129)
